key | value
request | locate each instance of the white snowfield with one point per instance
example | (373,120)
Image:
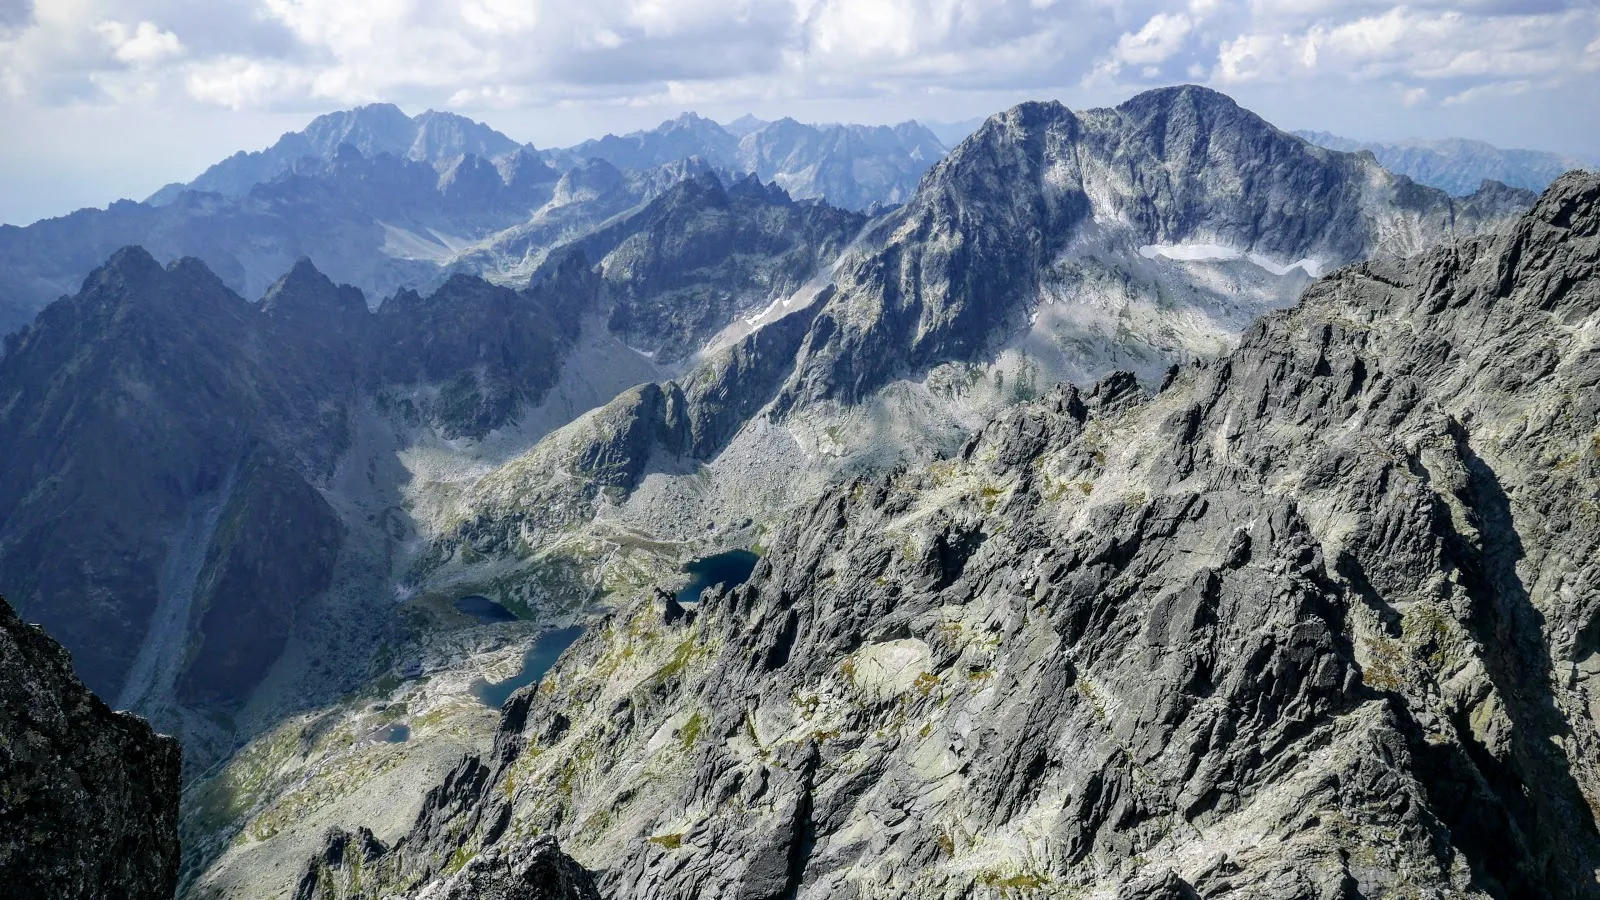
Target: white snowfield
(1219,252)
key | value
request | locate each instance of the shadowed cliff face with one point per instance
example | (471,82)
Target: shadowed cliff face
(88,797)
(167,447)
(702,255)
(125,404)
(1316,619)
(175,462)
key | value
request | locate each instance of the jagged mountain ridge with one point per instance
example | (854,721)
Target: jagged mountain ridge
(435,138)
(852,166)
(374,214)
(1033,252)
(380,222)
(987,278)
(158,388)
(1314,620)
(90,796)
(207,436)
(1457,165)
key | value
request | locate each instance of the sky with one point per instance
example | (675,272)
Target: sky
(102,99)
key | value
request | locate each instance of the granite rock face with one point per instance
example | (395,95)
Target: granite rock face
(89,805)
(1316,619)
(970,261)
(1049,246)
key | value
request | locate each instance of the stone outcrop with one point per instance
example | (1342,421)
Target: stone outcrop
(88,797)
(1316,619)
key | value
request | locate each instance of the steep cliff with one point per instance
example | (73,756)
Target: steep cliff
(1050,246)
(88,797)
(1316,619)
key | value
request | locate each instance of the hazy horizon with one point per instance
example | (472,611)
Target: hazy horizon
(114,100)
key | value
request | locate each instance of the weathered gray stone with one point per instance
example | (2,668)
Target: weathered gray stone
(1316,620)
(88,797)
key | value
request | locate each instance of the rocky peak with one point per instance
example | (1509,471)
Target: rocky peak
(699,189)
(526,168)
(130,266)
(372,129)
(690,121)
(745,125)
(1325,594)
(443,135)
(590,180)
(1189,100)
(379,129)
(307,297)
(471,181)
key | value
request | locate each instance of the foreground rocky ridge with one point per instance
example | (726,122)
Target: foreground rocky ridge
(88,797)
(1317,619)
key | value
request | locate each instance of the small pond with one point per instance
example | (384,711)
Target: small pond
(731,568)
(537,661)
(485,610)
(393,734)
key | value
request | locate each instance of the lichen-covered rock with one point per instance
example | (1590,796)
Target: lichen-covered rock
(1316,620)
(358,865)
(88,797)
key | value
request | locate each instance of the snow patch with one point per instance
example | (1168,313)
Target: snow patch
(1222,253)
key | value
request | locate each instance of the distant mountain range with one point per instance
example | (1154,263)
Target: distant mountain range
(432,137)
(550,379)
(382,200)
(1458,165)
(853,166)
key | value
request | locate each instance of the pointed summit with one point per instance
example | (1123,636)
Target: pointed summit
(130,264)
(306,296)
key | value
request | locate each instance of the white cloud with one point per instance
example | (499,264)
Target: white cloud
(506,54)
(1420,46)
(141,45)
(238,82)
(1157,41)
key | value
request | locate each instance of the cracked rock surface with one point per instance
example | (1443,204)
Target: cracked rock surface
(88,797)
(1317,619)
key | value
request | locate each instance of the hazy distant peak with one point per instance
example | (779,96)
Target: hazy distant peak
(434,137)
(745,124)
(1457,165)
